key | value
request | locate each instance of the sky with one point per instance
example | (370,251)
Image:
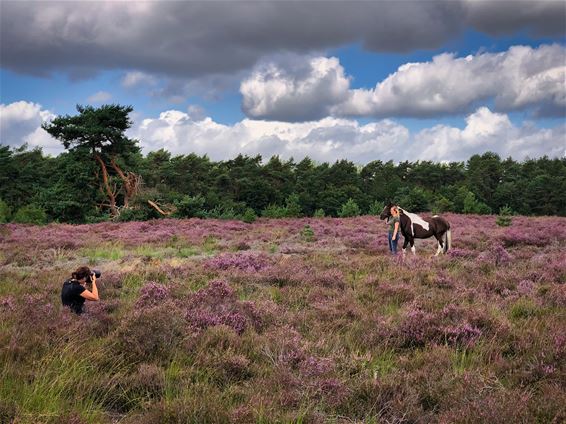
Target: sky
(435,80)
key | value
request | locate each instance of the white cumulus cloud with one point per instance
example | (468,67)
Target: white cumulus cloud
(100,97)
(20,123)
(330,139)
(521,78)
(296,92)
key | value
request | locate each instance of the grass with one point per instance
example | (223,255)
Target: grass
(109,252)
(325,330)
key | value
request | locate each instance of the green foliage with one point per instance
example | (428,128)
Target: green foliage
(349,209)
(293,206)
(319,213)
(442,204)
(472,205)
(504,219)
(307,233)
(190,207)
(69,187)
(376,208)
(4,212)
(414,200)
(222,212)
(30,214)
(249,216)
(274,211)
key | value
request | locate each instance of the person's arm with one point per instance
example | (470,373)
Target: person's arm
(396,230)
(91,295)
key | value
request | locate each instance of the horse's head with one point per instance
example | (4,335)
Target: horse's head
(386,213)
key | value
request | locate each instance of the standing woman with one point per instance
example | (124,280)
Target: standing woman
(394,230)
(74,292)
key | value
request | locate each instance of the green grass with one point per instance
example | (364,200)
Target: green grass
(112,252)
(525,308)
(66,380)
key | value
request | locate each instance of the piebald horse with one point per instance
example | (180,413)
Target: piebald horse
(413,226)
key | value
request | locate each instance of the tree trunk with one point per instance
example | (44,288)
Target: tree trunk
(130,180)
(111,194)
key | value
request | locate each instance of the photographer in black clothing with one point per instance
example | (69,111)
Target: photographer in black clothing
(74,292)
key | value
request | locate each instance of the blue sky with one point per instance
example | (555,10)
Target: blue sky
(295,76)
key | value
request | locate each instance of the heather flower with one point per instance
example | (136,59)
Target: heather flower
(525,287)
(313,366)
(152,294)
(250,262)
(217,304)
(463,335)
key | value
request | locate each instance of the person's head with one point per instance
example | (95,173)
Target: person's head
(394,211)
(82,273)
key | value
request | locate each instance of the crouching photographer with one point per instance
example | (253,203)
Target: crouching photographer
(75,292)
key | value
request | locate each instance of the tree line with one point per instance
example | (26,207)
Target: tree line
(103,175)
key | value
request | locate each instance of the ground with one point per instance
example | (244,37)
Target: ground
(298,320)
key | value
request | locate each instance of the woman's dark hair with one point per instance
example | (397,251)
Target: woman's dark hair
(81,272)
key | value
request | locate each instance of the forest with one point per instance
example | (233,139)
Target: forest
(103,175)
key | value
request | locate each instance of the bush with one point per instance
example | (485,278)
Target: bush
(442,204)
(190,207)
(414,200)
(134,214)
(222,212)
(472,205)
(4,212)
(293,206)
(30,214)
(376,208)
(349,209)
(307,233)
(504,218)
(274,211)
(319,213)
(249,216)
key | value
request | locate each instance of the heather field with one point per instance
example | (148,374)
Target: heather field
(292,320)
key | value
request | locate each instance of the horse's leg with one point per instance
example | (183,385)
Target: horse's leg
(440,244)
(413,245)
(405,243)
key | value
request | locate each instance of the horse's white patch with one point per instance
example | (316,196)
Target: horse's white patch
(415,219)
(413,249)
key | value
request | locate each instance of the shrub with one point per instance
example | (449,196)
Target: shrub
(293,206)
(504,218)
(442,204)
(472,205)
(415,200)
(150,333)
(274,211)
(222,212)
(349,209)
(190,207)
(319,213)
(30,214)
(249,216)
(376,208)
(4,212)
(307,233)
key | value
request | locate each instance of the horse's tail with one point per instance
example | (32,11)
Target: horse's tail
(447,240)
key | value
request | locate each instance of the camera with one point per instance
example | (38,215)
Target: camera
(94,272)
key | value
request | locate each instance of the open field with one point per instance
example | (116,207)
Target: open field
(221,321)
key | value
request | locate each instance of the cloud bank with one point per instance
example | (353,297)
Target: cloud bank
(327,139)
(522,78)
(197,38)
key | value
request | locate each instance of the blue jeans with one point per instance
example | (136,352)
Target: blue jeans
(393,243)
